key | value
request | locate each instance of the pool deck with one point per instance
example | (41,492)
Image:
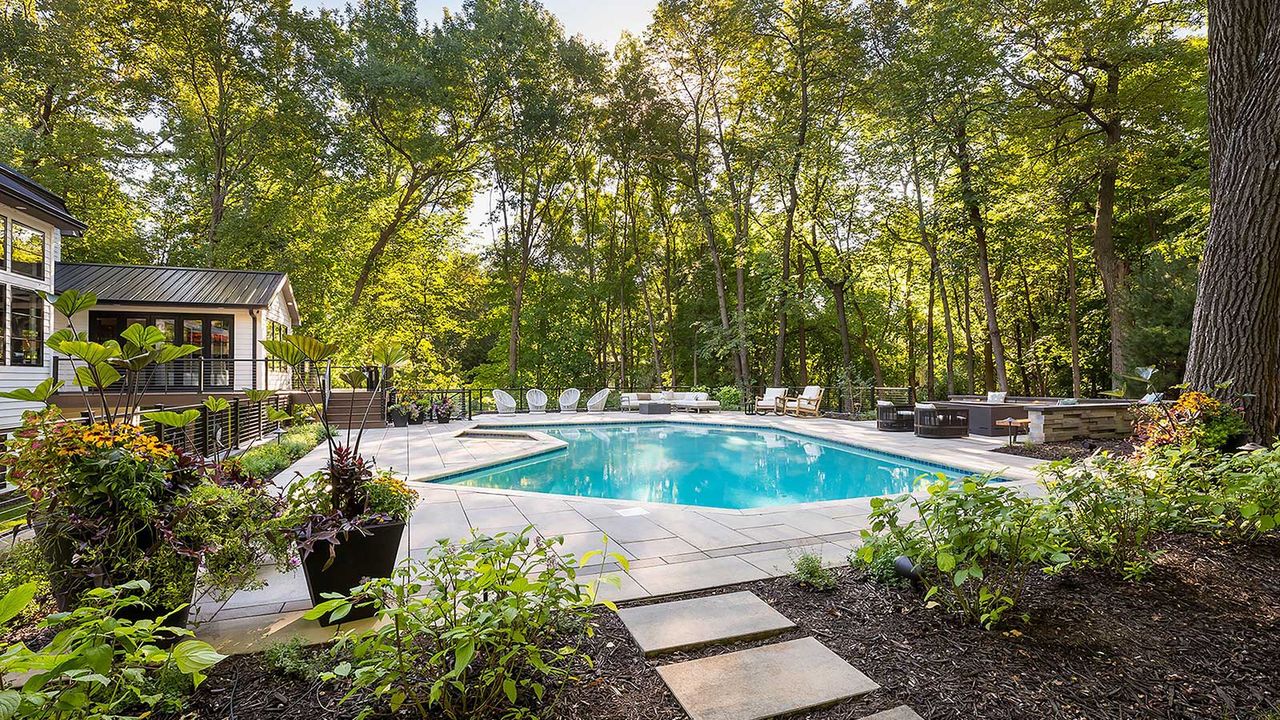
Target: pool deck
(669,548)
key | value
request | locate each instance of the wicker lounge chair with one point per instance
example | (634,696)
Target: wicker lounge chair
(537,401)
(597,401)
(506,404)
(569,400)
(941,422)
(894,418)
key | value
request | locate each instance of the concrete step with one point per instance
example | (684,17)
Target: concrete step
(714,619)
(764,682)
(902,712)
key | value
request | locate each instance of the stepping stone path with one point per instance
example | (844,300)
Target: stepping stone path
(754,684)
(686,624)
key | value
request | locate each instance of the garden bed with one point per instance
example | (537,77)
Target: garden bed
(1074,449)
(1198,638)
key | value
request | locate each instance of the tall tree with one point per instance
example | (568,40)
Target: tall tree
(1236,327)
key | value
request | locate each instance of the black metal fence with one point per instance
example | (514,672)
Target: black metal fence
(853,403)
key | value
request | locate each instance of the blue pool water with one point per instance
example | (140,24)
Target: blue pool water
(706,466)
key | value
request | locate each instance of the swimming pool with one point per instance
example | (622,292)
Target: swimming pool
(707,466)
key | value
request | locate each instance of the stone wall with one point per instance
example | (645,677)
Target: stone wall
(1059,423)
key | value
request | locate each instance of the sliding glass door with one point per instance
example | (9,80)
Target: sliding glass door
(211,368)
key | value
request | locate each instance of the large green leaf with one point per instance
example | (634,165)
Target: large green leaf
(216,404)
(10,701)
(314,350)
(143,337)
(169,353)
(102,375)
(40,393)
(64,335)
(284,351)
(354,378)
(91,353)
(172,419)
(70,302)
(15,601)
(390,355)
(195,656)
(257,396)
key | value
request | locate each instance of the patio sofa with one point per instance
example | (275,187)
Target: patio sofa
(687,401)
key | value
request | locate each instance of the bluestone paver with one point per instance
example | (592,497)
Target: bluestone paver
(685,624)
(764,682)
(902,712)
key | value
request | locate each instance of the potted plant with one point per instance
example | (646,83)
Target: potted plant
(114,504)
(442,411)
(398,414)
(348,530)
(345,521)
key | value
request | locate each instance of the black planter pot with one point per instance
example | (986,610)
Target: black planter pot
(397,418)
(355,558)
(1235,442)
(443,419)
(415,420)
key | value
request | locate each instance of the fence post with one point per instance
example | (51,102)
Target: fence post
(235,430)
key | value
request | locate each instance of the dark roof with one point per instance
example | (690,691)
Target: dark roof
(159,285)
(32,198)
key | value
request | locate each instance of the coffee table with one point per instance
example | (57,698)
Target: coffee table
(654,407)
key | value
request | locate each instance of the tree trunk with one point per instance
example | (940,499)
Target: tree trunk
(1073,315)
(1235,331)
(979,225)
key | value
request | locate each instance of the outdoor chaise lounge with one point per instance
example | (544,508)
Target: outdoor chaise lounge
(506,404)
(894,418)
(537,401)
(941,422)
(569,400)
(597,401)
(772,401)
(679,400)
(808,403)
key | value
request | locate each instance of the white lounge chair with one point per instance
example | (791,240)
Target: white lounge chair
(506,404)
(537,401)
(569,400)
(597,401)
(807,404)
(771,401)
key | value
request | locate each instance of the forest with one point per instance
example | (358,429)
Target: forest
(960,195)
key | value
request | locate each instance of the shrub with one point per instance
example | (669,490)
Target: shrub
(807,570)
(1195,419)
(99,664)
(263,461)
(1108,508)
(730,397)
(974,544)
(293,659)
(1236,495)
(474,630)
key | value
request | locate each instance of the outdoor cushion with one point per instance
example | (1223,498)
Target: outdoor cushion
(996,397)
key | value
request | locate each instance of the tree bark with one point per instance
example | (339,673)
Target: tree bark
(1111,267)
(1235,331)
(979,225)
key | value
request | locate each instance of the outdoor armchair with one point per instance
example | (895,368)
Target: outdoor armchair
(894,418)
(569,400)
(597,401)
(506,404)
(941,422)
(772,401)
(807,404)
(537,401)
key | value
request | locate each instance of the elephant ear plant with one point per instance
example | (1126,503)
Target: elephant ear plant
(113,504)
(346,521)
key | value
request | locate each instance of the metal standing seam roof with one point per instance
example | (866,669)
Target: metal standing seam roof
(160,285)
(28,196)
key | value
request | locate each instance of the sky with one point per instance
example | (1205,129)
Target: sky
(600,21)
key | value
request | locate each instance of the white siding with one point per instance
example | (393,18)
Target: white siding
(14,377)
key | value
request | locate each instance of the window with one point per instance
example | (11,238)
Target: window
(28,251)
(26,328)
(276,331)
(213,334)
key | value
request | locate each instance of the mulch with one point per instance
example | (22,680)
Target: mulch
(1075,449)
(1198,638)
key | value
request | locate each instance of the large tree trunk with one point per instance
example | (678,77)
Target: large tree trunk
(1111,267)
(979,225)
(1235,331)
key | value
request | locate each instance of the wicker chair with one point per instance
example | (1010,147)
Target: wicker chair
(894,418)
(935,422)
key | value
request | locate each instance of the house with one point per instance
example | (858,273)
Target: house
(223,312)
(33,221)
